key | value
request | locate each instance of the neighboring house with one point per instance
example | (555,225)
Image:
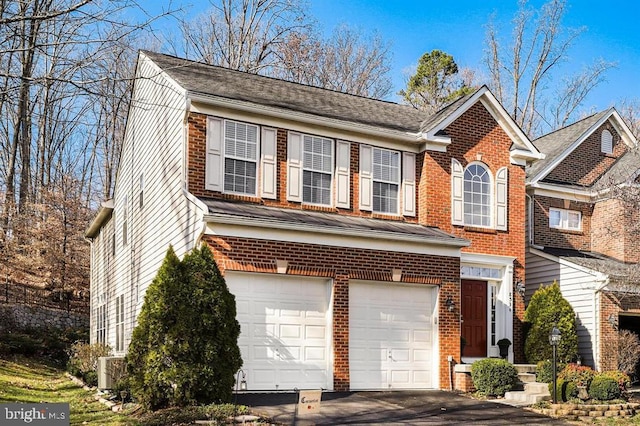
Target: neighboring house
(361,238)
(582,235)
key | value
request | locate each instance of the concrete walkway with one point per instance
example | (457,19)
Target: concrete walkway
(399,407)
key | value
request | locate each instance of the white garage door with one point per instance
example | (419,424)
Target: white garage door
(285,332)
(391,336)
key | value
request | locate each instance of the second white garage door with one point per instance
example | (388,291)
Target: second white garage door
(285,330)
(391,336)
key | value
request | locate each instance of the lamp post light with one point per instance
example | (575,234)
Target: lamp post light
(554,339)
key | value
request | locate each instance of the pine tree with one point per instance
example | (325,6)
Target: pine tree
(184,349)
(547,309)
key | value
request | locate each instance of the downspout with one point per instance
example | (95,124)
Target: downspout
(597,324)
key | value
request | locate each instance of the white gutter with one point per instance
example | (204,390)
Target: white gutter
(106,208)
(382,235)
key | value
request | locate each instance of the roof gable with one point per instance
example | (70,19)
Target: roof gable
(558,145)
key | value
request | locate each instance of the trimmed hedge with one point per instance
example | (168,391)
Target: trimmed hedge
(493,377)
(604,388)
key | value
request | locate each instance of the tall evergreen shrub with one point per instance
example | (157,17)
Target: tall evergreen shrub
(184,349)
(547,309)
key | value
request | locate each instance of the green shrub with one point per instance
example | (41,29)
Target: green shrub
(561,390)
(578,374)
(547,309)
(570,391)
(604,388)
(493,376)
(621,379)
(184,349)
(544,371)
(83,360)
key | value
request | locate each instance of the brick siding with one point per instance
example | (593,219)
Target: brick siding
(342,265)
(561,238)
(587,162)
(475,135)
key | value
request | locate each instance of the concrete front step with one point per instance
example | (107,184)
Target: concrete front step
(532,394)
(527,377)
(525,368)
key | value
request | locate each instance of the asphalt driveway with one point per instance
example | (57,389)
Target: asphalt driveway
(399,407)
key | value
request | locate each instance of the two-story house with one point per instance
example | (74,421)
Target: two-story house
(361,238)
(582,234)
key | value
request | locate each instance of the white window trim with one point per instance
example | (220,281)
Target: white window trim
(332,173)
(492,196)
(398,182)
(564,219)
(256,161)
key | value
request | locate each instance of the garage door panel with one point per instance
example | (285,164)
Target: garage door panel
(391,336)
(285,334)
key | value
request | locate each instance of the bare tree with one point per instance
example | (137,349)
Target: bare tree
(243,34)
(523,69)
(348,61)
(277,38)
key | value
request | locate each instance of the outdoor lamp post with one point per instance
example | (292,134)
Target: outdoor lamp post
(554,339)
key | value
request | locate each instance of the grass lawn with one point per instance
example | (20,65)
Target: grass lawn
(27,380)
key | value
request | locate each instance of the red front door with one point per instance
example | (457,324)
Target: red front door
(474,318)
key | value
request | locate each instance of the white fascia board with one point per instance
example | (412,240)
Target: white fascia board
(373,240)
(624,131)
(312,119)
(544,172)
(521,157)
(598,276)
(436,143)
(558,191)
(486,259)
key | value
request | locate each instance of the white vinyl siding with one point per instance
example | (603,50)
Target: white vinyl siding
(386,180)
(317,170)
(578,286)
(565,219)
(125,230)
(606,142)
(168,216)
(240,157)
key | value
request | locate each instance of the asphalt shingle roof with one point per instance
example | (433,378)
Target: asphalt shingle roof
(553,144)
(329,221)
(597,262)
(231,84)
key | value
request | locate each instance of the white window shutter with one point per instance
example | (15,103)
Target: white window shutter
(214,162)
(502,200)
(408,184)
(294,167)
(343,161)
(457,193)
(268,163)
(366,178)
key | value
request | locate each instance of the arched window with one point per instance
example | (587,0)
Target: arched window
(606,142)
(477,195)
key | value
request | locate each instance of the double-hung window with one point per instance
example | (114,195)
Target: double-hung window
(317,170)
(240,157)
(120,323)
(386,180)
(565,219)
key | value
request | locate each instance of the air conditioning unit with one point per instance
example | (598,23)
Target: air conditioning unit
(110,369)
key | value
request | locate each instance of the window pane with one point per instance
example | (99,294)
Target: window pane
(317,170)
(477,196)
(573,220)
(554,218)
(385,197)
(316,188)
(239,176)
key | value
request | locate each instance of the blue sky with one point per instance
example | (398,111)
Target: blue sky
(458,27)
